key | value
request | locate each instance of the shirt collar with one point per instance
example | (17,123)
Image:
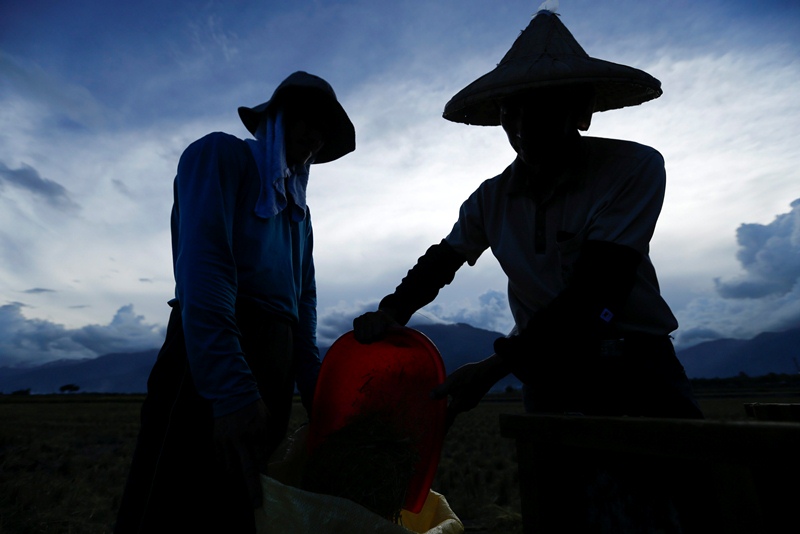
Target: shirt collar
(521,181)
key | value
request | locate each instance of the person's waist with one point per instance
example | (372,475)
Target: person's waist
(255,310)
(617,343)
(633,336)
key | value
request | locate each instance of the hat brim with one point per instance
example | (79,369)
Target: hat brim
(546,55)
(341,138)
(616,86)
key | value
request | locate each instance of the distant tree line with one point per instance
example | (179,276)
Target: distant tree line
(66,388)
(771,381)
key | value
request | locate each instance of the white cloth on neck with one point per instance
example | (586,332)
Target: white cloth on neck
(279,182)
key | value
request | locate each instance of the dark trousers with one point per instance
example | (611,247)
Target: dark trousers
(593,492)
(177,482)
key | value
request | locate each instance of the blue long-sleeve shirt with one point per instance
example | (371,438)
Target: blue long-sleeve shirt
(223,252)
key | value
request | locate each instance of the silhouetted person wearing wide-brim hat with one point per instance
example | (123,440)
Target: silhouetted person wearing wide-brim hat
(242,332)
(570,222)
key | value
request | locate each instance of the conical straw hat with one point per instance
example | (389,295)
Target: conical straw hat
(545,55)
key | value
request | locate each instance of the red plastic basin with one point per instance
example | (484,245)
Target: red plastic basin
(393,377)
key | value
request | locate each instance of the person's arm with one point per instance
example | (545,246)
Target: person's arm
(208,177)
(209,173)
(468,384)
(434,270)
(306,352)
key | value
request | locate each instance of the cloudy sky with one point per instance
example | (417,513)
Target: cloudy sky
(99,99)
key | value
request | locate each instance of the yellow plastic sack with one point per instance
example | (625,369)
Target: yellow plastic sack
(290,510)
(436,517)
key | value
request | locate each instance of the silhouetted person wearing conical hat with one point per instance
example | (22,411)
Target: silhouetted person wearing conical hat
(570,222)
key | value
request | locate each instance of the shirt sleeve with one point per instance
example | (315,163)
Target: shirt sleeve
(434,270)
(628,213)
(306,351)
(209,173)
(468,236)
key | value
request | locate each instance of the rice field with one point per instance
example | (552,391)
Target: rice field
(64,459)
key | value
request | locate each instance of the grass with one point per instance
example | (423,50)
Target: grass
(478,470)
(63,462)
(64,459)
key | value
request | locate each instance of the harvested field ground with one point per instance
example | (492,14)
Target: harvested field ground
(64,458)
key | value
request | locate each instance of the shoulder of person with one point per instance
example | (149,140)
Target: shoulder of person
(217,154)
(497,182)
(618,165)
(618,149)
(218,141)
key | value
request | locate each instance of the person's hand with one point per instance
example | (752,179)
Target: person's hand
(468,384)
(243,439)
(373,326)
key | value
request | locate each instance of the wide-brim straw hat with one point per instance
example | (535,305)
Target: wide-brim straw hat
(547,55)
(341,135)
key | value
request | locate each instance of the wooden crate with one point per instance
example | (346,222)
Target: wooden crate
(722,476)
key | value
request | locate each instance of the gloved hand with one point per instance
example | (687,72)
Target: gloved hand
(373,326)
(468,384)
(243,440)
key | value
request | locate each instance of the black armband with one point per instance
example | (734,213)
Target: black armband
(585,311)
(434,270)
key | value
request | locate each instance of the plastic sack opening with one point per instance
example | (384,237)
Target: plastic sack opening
(291,510)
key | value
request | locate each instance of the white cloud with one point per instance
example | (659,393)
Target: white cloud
(97,256)
(770,256)
(126,332)
(111,139)
(489,311)
(726,127)
(765,296)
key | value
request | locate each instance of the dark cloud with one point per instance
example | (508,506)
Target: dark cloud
(26,341)
(122,188)
(69,125)
(698,335)
(28,179)
(333,322)
(37,290)
(127,331)
(491,312)
(748,289)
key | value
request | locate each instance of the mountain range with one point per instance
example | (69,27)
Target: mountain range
(770,352)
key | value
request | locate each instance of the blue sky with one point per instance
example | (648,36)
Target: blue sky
(98,100)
